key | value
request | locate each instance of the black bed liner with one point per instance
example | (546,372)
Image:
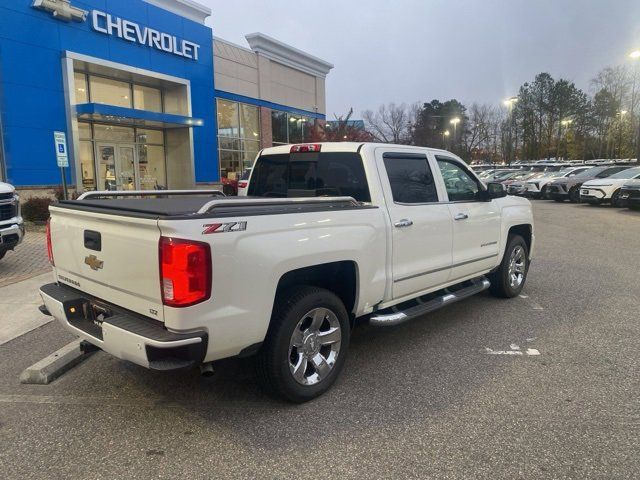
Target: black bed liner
(186,208)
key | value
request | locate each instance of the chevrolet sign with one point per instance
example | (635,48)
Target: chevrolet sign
(127,30)
(132,32)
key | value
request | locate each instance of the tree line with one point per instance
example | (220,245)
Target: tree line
(548,118)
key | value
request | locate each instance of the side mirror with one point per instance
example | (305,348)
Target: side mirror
(494,190)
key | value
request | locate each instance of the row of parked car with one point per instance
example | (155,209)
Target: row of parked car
(617,184)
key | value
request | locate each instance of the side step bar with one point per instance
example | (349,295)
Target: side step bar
(396,317)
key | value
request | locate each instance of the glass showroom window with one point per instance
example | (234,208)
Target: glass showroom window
(92,88)
(238,137)
(290,128)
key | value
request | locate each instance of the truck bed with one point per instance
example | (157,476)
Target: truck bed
(190,207)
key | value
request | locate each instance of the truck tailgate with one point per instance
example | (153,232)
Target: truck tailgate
(112,257)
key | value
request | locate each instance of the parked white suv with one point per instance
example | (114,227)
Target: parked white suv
(605,190)
(537,187)
(11,223)
(341,231)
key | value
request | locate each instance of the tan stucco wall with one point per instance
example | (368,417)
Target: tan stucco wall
(244,72)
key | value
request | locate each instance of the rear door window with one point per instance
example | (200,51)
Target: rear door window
(310,174)
(410,178)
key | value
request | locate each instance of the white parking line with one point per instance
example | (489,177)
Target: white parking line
(534,305)
(515,350)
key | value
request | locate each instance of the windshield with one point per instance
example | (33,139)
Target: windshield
(589,172)
(628,173)
(502,175)
(310,174)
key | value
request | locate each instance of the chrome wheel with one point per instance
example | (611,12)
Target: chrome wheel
(517,267)
(314,346)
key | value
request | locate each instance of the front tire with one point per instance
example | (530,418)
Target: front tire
(574,195)
(2,254)
(615,199)
(306,345)
(508,280)
(544,194)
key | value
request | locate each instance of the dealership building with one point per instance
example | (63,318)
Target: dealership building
(138,94)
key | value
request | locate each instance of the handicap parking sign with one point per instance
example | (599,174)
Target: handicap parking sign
(60,140)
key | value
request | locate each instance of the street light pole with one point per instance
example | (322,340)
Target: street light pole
(509,103)
(622,113)
(635,55)
(454,121)
(565,124)
(444,135)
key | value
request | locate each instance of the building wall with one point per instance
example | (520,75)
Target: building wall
(236,69)
(33,104)
(293,87)
(241,71)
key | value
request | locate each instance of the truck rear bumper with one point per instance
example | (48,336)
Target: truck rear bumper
(121,333)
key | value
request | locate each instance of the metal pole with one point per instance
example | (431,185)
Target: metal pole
(64,183)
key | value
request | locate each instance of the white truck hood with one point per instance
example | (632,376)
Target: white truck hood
(6,188)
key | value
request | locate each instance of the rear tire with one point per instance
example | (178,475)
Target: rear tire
(2,254)
(509,279)
(306,345)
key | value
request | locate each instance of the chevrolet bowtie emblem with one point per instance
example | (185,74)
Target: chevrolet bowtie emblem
(93,262)
(61,9)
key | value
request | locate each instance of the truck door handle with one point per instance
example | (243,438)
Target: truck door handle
(405,222)
(461,216)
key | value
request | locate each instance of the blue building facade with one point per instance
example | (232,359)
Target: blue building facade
(144,96)
(144,66)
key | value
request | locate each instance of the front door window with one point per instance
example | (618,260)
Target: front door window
(127,166)
(117,165)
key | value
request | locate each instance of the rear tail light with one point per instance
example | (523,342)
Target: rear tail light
(306,147)
(185,271)
(49,246)
(243,184)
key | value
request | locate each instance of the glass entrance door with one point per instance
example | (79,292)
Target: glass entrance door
(117,166)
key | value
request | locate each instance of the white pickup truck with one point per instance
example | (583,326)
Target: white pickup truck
(11,223)
(329,233)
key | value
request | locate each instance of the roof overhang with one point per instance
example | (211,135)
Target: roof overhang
(134,118)
(286,54)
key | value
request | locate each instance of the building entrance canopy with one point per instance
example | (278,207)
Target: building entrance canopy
(115,115)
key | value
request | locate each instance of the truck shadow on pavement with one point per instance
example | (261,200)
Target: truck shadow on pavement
(393,376)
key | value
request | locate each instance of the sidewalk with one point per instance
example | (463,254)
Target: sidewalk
(27,260)
(19,307)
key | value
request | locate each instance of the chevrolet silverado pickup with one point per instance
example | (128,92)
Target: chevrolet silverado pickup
(329,233)
(11,223)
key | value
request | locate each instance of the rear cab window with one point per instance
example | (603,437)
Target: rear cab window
(310,174)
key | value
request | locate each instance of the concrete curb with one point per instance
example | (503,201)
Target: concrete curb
(49,368)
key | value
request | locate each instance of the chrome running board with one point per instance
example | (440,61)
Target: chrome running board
(394,316)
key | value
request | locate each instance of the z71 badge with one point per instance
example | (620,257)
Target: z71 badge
(224,227)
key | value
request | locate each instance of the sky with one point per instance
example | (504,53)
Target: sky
(414,51)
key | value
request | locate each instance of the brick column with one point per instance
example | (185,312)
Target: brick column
(266,134)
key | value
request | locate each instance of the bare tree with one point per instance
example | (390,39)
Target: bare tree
(479,128)
(390,123)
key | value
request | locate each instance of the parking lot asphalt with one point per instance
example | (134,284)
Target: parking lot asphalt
(428,399)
